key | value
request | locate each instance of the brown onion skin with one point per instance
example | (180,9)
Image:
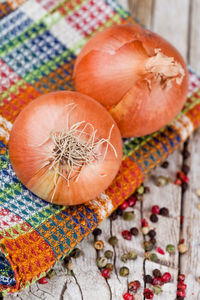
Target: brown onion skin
(28,159)
(105,70)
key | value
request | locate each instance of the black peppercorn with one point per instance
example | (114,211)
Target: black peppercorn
(184,186)
(165,165)
(67,259)
(75,253)
(153,240)
(134,231)
(146,189)
(113,216)
(148,279)
(154,218)
(186,153)
(152,233)
(157,273)
(164,212)
(185,169)
(97,231)
(119,212)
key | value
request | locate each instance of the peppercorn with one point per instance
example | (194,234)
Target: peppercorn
(162,181)
(131,201)
(155,209)
(101,262)
(139,197)
(145,230)
(154,218)
(124,271)
(113,240)
(66,259)
(181,293)
(184,186)
(106,273)
(160,251)
(165,165)
(166,277)
(153,240)
(181,286)
(185,169)
(134,231)
(108,254)
(157,281)
(148,246)
(186,154)
(113,216)
(119,211)
(43,280)
(148,279)
(124,257)
(147,190)
(109,266)
(182,248)
(124,205)
(148,294)
(164,212)
(51,274)
(157,289)
(144,223)
(97,231)
(126,235)
(157,273)
(128,215)
(170,249)
(140,190)
(133,286)
(128,296)
(132,255)
(98,245)
(153,257)
(152,233)
(181,277)
(75,253)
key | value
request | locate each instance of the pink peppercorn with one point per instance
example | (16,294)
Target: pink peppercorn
(166,277)
(144,223)
(43,280)
(181,286)
(128,296)
(131,201)
(106,273)
(148,294)
(178,181)
(181,293)
(127,235)
(181,277)
(157,281)
(161,251)
(155,209)
(124,205)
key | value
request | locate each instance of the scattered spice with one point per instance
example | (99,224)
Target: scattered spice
(102,262)
(140,190)
(152,233)
(109,266)
(43,280)
(157,289)
(119,211)
(134,231)
(153,257)
(128,215)
(155,209)
(165,165)
(124,271)
(181,277)
(157,281)
(160,251)
(106,273)
(145,230)
(148,279)
(131,201)
(162,180)
(154,218)
(124,205)
(148,294)
(132,255)
(170,249)
(181,286)
(157,273)
(113,216)
(148,246)
(153,240)
(98,245)
(51,274)
(147,190)
(97,231)
(178,181)
(133,286)
(108,254)
(181,293)
(66,260)
(164,212)
(113,240)
(127,235)
(75,253)
(166,277)
(128,296)
(182,248)
(124,257)
(144,223)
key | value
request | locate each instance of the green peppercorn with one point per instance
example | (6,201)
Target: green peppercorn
(98,245)
(132,255)
(124,257)
(101,262)
(140,190)
(113,240)
(108,254)
(128,215)
(124,271)
(109,266)
(51,274)
(162,181)
(157,289)
(148,246)
(170,249)
(153,257)
(75,253)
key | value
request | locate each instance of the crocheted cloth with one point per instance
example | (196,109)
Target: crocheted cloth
(39,43)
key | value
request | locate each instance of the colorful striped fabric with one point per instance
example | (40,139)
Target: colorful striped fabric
(39,42)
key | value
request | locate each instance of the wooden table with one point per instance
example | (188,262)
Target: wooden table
(179,22)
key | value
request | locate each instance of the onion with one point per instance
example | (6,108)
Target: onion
(137,75)
(65,147)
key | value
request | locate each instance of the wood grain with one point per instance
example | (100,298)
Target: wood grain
(143,11)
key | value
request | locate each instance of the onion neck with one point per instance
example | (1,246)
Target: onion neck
(163,69)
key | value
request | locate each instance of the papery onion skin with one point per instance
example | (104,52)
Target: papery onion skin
(112,68)
(31,157)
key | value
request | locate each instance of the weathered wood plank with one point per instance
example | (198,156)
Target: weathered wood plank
(194,36)
(142,11)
